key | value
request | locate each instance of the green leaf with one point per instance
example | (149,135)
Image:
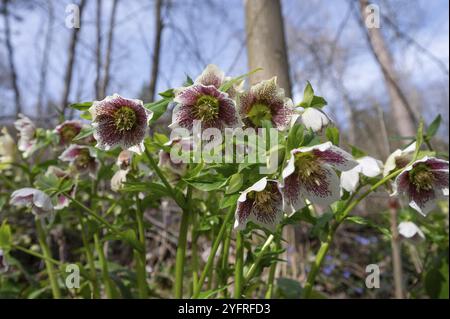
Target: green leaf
(308,95)
(419,139)
(295,137)
(206,186)
(210,293)
(363,221)
(84,106)
(158,108)
(434,127)
(228,201)
(235,183)
(5,237)
(318,102)
(167,94)
(357,153)
(289,288)
(332,134)
(227,85)
(85,132)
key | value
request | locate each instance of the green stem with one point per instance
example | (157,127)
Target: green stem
(104,267)
(251,272)
(271,279)
(37,255)
(239,266)
(141,256)
(224,261)
(195,264)
(213,252)
(47,254)
(181,254)
(90,259)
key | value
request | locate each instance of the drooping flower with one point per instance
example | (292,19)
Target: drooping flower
(310,175)
(261,203)
(67,131)
(61,200)
(399,159)
(40,203)
(423,183)
(203,102)
(175,165)
(214,76)
(315,119)
(266,101)
(82,158)
(27,135)
(118,121)
(3,264)
(124,164)
(411,232)
(367,166)
(7,150)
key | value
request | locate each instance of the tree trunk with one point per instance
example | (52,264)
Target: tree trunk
(45,59)
(156,49)
(266,44)
(402,110)
(10,52)
(98,48)
(109,48)
(70,64)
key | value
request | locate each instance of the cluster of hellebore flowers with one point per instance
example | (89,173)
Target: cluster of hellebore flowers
(316,174)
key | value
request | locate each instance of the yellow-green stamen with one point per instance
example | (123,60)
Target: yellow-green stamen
(258,113)
(125,118)
(207,108)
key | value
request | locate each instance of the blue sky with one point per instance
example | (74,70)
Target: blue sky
(219,37)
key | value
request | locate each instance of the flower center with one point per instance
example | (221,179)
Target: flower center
(125,118)
(83,159)
(422,177)
(258,113)
(68,132)
(207,108)
(307,166)
(263,201)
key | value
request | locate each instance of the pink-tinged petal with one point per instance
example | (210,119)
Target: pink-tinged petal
(243,210)
(189,95)
(212,75)
(323,188)
(332,155)
(67,130)
(228,114)
(282,115)
(437,164)
(423,201)
(71,153)
(293,200)
(40,202)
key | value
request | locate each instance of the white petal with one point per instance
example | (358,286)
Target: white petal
(314,119)
(342,160)
(118,179)
(257,187)
(370,166)
(409,230)
(350,179)
(330,184)
(290,167)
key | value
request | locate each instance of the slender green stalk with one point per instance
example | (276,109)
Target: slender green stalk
(224,261)
(194,254)
(37,255)
(47,254)
(239,266)
(251,272)
(271,279)
(213,252)
(141,256)
(90,259)
(181,254)
(104,267)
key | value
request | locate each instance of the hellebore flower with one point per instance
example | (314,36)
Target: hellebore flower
(124,164)
(411,232)
(67,131)
(61,201)
(261,203)
(118,121)
(314,119)
(40,203)
(310,175)
(27,135)
(266,101)
(82,158)
(367,166)
(203,102)
(176,166)
(3,264)
(7,150)
(214,76)
(399,159)
(423,183)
